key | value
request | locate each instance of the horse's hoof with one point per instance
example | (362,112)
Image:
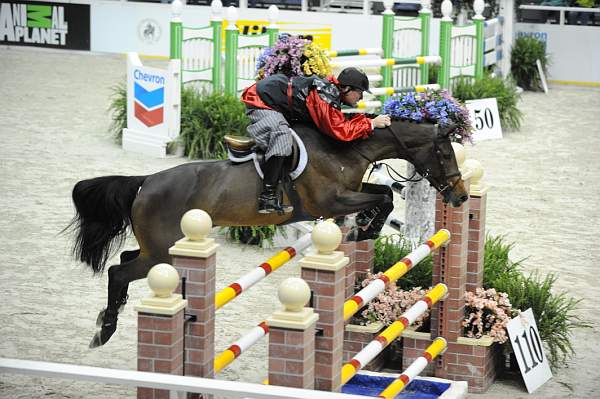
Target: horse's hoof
(100,318)
(96,341)
(103,335)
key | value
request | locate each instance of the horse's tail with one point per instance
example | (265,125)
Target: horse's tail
(103,212)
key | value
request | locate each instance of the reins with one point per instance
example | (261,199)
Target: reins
(399,178)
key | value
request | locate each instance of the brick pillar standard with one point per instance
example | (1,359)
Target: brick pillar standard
(349,250)
(365,258)
(160,329)
(450,268)
(478,200)
(324,271)
(292,338)
(194,257)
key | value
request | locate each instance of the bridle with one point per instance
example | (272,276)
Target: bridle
(440,186)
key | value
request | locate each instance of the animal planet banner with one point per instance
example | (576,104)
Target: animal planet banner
(44,24)
(319,34)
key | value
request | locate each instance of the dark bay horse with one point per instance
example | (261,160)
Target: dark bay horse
(331,186)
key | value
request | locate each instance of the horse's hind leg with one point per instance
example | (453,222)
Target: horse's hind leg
(126,256)
(119,277)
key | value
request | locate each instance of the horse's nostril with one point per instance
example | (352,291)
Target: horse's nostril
(464,198)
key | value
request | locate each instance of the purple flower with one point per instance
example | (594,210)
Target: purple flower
(434,107)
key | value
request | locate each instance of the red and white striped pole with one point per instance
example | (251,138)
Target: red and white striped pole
(241,345)
(366,295)
(392,332)
(437,347)
(244,283)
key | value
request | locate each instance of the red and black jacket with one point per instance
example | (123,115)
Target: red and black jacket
(308,99)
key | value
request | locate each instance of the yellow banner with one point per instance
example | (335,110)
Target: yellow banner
(320,34)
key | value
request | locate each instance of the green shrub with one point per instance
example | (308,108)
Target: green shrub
(505,92)
(434,73)
(525,51)
(554,313)
(252,235)
(205,119)
(118,111)
(496,262)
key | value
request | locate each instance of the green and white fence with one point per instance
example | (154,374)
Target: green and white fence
(242,51)
(464,50)
(198,48)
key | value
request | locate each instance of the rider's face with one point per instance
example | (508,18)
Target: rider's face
(352,97)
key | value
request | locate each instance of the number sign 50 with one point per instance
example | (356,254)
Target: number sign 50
(485,118)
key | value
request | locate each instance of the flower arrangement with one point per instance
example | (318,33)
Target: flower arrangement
(317,62)
(435,107)
(388,306)
(487,312)
(293,56)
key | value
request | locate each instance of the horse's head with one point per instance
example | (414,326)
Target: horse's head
(430,151)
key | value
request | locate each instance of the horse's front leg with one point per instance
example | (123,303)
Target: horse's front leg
(374,218)
(374,202)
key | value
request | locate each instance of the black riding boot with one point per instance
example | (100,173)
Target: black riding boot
(270,200)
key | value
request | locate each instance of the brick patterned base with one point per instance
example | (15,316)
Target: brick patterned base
(354,342)
(160,349)
(292,357)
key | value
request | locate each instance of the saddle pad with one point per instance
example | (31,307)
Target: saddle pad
(294,174)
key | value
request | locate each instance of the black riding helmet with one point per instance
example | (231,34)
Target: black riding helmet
(355,78)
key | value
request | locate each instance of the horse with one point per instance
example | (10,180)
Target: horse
(330,186)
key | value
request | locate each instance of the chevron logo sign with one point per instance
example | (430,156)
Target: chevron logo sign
(149,104)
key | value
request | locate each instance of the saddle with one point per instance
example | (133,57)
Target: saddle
(243,149)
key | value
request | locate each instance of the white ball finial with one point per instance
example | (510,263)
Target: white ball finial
(176,7)
(163,280)
(459,153)
(326,236)
(425,5)
(447,9)
(196,224)
(216,8)
(231,14)
(293,293)
(273,13)
(478,6)
(388,4)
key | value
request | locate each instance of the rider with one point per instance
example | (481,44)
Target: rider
(276,101)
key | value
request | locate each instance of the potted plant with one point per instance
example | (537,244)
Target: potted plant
(503,90)
(525,52)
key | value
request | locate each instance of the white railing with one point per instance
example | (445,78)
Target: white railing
(560,9)
(176,384)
